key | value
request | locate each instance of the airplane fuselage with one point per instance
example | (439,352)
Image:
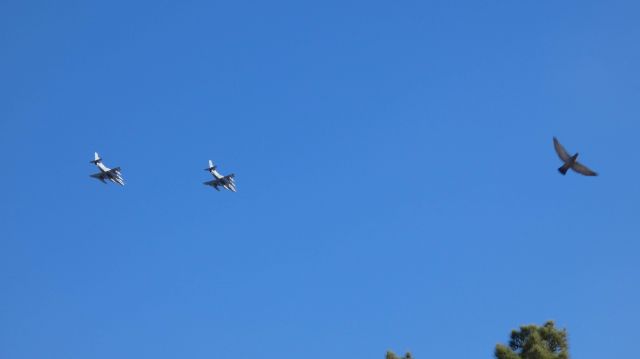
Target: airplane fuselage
(216,174)
(102,167)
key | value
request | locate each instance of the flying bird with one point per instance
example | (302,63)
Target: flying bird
(570,161)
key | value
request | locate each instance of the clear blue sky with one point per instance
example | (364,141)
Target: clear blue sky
(397,185)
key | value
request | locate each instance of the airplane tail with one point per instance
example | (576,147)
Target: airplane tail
(96,159)
(211,166)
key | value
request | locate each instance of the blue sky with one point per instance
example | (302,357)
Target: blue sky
(397,185)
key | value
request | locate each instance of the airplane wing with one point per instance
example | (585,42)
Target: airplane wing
(582,169)
(115,170)
(214,184)
(562,153)
(99,176)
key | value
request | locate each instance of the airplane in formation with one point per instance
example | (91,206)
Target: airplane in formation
(106,173)
(220,180)
(570,161)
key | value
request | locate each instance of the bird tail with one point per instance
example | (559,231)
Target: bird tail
(564,169)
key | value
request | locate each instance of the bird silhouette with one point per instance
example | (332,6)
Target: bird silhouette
(570,161)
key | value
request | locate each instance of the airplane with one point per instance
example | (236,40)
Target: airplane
(220,180)
(105,173)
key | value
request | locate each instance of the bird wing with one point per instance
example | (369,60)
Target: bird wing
(582,169)
(562,153)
